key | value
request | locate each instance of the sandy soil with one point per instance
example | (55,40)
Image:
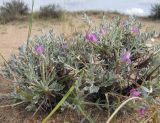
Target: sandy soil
(12,36)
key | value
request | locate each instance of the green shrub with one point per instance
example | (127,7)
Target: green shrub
(51,11)
(155,11)
(12,10)
(112,58)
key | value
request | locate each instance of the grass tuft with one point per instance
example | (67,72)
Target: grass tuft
(13,10)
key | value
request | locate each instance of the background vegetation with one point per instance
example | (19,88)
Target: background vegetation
(17,10)
(13,10)
(155,11)
(51,11)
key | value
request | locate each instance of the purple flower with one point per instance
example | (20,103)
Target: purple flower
(142,111)
(39,49)
(135,30)
(65,45)
(134,92)
(92,37)
(126,57)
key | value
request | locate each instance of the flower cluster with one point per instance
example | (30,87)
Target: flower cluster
(126,57)
(39,49)
(92,37)
(134,92)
